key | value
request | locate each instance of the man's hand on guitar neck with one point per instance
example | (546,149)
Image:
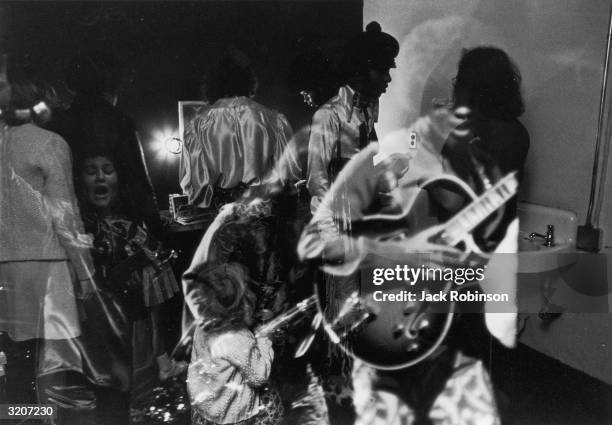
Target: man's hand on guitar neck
(346,255)
(414,247)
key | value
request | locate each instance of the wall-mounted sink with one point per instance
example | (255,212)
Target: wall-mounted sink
(534,256)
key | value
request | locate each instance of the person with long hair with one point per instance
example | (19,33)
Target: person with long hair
(259,231)
(134,280)
(487,88)
(93,119)
(477,140)
(230,364)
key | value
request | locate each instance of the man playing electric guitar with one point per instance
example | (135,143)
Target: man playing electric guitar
(384,180)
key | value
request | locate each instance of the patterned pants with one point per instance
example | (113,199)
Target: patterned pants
(466,397)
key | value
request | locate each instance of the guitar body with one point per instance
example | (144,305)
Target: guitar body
(397,334)
(395,324)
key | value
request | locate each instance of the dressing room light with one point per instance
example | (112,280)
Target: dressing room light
(166,144)
(173,145)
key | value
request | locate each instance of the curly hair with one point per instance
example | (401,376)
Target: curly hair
(231,76)
(229,300)
(490,82)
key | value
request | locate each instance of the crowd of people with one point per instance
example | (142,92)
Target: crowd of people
(84,274)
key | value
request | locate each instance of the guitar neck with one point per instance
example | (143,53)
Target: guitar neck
(287,316)
(464,222)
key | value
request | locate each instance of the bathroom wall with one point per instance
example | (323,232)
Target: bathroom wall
(559,46)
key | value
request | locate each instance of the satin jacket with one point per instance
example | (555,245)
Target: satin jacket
(235,140)
(336,121)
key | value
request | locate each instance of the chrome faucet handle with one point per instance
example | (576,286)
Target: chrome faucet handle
(550,236)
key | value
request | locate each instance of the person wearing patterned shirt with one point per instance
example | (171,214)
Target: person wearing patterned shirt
(345,123)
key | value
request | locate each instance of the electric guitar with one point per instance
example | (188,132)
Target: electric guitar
(286,318)
(394,335)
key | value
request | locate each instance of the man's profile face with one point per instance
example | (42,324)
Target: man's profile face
(377,82)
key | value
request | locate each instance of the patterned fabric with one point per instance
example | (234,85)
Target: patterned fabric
(335,137)
(237,233)
(338,389)
(271,415)
(158,287)
(466,398)
(302,395)
(262,239)
(125,256)
(227,372)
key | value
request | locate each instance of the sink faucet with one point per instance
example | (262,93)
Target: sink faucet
(549,237)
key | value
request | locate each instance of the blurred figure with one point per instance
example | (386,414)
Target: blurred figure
(345,123)
(134,280)
(487,89)
(233,143)
(259,232)
(45,265)
(230,363)
(341,128)
(93,119)
(385,179)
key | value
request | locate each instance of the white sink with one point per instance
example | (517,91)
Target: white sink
(534,256)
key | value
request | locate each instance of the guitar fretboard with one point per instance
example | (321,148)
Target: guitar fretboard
(287,316)
(457,228)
